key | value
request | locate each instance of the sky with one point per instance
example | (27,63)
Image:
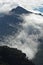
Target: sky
(33,5)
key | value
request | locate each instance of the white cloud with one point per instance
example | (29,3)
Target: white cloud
(37,19)
(27,39)
(6,5)
(30,4)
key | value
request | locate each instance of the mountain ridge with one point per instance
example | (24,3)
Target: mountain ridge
(12,56)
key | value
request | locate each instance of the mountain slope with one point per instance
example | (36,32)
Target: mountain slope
(12,56)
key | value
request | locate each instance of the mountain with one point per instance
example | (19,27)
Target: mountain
(19,10)
(9,24)
(12,56)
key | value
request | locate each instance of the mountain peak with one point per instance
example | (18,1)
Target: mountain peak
(20,10)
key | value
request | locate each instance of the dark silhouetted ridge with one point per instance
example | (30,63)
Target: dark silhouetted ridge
(12,56)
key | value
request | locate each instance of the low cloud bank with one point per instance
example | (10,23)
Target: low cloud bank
(27,39)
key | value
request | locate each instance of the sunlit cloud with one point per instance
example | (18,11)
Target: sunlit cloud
(7,5)
(26,40)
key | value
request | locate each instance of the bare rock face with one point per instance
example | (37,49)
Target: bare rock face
(12,56)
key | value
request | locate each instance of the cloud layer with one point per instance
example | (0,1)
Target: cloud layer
(27,39)
(7,5)
(32,27)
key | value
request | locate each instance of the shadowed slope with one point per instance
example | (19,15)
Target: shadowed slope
(9,24)
(12,56)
